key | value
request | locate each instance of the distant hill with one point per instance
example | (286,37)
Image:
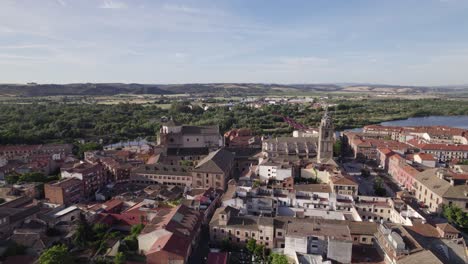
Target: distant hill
(78,89)
(214,89)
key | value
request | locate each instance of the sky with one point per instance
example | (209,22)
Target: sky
(403,42)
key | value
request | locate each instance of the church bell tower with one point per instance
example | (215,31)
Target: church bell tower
(325,144)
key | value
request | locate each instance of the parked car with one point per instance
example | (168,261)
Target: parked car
(422,205)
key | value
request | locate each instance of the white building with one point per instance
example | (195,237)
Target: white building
(277,171)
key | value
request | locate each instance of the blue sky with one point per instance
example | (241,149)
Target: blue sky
(408,42)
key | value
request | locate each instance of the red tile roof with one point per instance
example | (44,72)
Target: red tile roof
(448,228)
(444,147)
(112,204)
(343,180)
(172,243)
(217,258)
(426,156)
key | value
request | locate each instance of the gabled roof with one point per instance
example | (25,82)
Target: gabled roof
(439,186)
(343,180)
(187,151)
(447,228)
(426,156)
(172,243)
(217,161)
(321,188)
(424,230)
(424,256)
(363,228)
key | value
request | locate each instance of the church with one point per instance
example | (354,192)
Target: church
(319,148)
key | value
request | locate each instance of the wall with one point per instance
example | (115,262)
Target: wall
(340,251)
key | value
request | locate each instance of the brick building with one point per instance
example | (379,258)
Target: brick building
(66,191)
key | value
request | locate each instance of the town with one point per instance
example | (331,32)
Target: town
(383,194)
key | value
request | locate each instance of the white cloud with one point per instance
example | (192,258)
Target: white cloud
(181,8)
(21,57)
(62,2)
(180,55)
(304,61)
(111,4)
(26,46)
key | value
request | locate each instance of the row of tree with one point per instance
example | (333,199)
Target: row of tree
(40,123)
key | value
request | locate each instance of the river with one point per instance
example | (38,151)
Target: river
(451,121)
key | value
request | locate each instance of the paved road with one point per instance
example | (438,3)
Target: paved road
(200,253)
(366,185)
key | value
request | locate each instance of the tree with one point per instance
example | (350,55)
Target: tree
(33,177)
(456,216)
(132,243)
(101,260)
(14,249)
(379,188)
(84,233)
(82,148)
(187,163)
(12,179)
(259,252)
(57,254)
(256,184)
(251,245)
(120,258)
(276,258)
(225,245)
(136,229)
(337,148)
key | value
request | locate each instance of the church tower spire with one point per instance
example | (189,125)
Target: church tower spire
(325,144)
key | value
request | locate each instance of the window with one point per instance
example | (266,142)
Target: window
(364,239)
(355,238)
(280,233)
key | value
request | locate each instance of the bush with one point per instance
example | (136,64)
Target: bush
(57,254)
(456,216)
